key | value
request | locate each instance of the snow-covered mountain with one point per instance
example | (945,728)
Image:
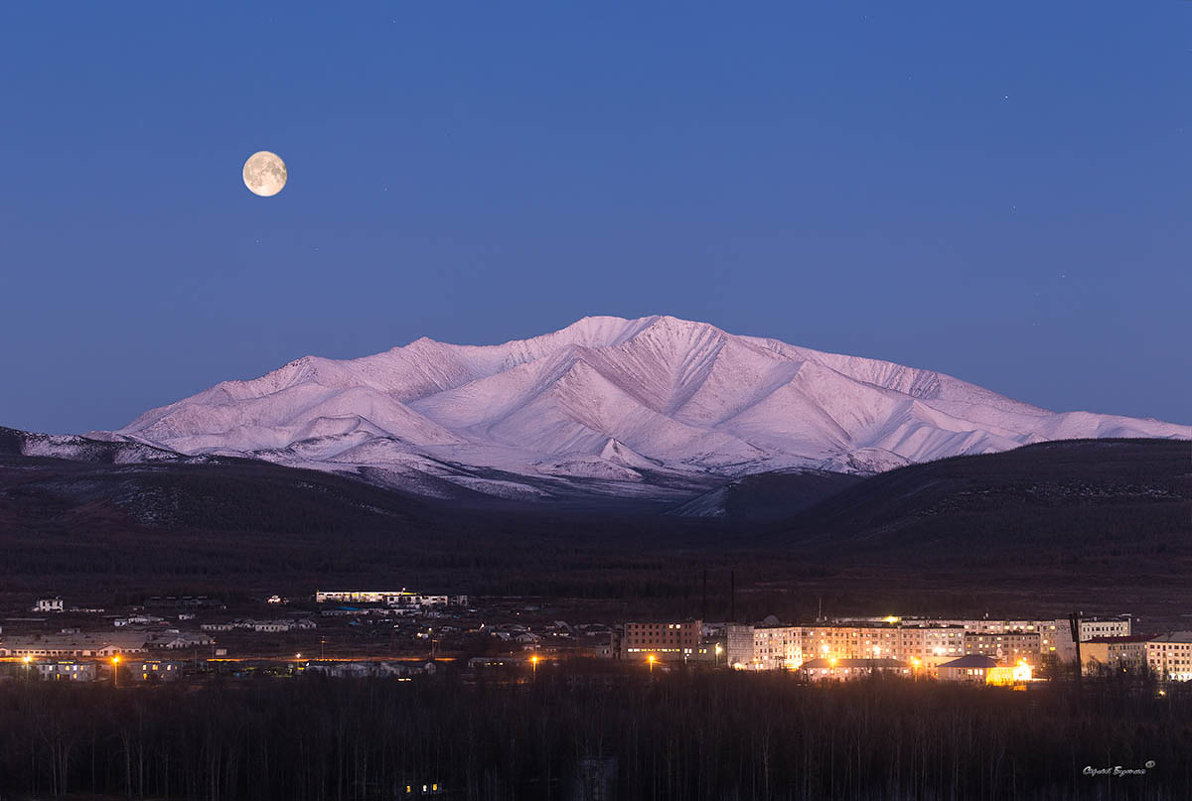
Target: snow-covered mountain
(606,405)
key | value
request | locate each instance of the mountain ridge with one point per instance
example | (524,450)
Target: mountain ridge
(687,400)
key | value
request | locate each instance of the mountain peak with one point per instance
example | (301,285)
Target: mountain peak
(607,399)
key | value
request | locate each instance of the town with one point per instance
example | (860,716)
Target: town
(401,633)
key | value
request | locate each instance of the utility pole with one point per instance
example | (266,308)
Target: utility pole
(732,595)
(703,607)
(1074,624)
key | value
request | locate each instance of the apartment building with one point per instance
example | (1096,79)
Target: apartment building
(1094,627)
(1170,656)
(919,642)
(1113,652)
(1011,646)
(667,642)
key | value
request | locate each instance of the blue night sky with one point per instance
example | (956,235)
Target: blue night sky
(1000,191)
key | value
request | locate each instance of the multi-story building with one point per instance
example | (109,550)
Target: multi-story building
(1055,636)
(738,645)
(919,642)
(851,642)
(930,645)
(1115,652)
(1170,656)
(776,648)
(1011,646)
(671,642)
(1093,627)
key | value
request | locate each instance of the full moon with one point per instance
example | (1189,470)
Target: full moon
(264,173)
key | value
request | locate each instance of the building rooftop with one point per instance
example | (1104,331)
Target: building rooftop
(823,664)
(971,661)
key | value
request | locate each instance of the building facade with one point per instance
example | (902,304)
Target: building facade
(973,668)
(66,670)
(1011,646)
(670,642)
(1113,652)
(846,669)
(1169,656)
(1094,627)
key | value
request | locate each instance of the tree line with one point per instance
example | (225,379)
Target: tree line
(564,733)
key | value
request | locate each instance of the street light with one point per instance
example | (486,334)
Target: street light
(534,664)
(651,659)
(115,671)
(28,659)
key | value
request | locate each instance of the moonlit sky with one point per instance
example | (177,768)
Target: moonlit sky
(1000,191)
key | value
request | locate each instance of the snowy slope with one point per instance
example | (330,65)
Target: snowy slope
(655,401)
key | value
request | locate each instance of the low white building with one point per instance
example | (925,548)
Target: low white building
(49,605)
(217,626)
(66,670)
(397,598)
(74,645)
(154,670)
(138,620)
(269,625)
(176,640)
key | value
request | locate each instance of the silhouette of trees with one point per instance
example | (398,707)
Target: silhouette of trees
(682,735)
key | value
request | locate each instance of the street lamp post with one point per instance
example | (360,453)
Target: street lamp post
(28,659)
(115,671)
